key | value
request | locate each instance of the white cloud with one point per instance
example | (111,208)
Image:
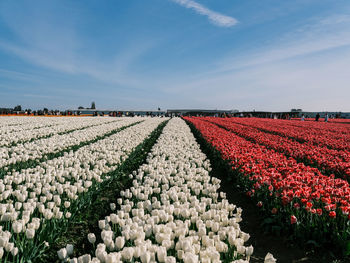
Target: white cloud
(114,70)
(320,35)
(303,69)
(307,84)
(215,17)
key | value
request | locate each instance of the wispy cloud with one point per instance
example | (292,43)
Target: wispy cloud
(215,17)
(302,69)
(318,36)
(16,75)
(115,70)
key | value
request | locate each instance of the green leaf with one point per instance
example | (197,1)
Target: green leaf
(312,242)
(347,252)
(268,221)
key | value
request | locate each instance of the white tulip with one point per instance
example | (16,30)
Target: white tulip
(62,253)
(145,257)
(119,242)
(17,227)
(161,254)
(102,224)
(112,206)
(14,251)
(69,249)
(30,233)
(84,259)
(269,258)
(127,253)
(92,238)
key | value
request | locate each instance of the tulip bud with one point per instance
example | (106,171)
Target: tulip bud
(17,227)
(145,257)
(14,251)
(119,242)
(161,254)
(69,249)
(92,238)
(62,253)
(269,258)
(112,206)
(101,224)
(127,253)
(30,233)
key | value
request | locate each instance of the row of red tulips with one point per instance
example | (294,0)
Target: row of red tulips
(327,160)
(334,136)
(337,121)
(315,205)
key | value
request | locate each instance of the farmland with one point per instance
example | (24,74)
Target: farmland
(144,189)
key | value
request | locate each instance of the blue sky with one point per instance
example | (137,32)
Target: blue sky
(144,54)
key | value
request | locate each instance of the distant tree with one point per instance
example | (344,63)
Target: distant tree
(80,107)
(93,106)
(18,108)
(45,110)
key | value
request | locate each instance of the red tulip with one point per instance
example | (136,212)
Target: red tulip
(332,214)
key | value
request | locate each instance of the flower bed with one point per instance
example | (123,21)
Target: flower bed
(37,149)
(13,135)
(335,136)
(35,202)
(327,160)
(173,211)
(314,206)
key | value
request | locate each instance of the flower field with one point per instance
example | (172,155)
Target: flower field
(142,189)
(35,200)
(173,211)
(294,171)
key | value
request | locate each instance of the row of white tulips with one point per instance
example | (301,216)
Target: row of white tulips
(36,149)
(23,121)
(33,196)
(14,124)
(21,134)
(172,213)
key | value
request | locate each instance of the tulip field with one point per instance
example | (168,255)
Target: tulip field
(296,172)
(141,189)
